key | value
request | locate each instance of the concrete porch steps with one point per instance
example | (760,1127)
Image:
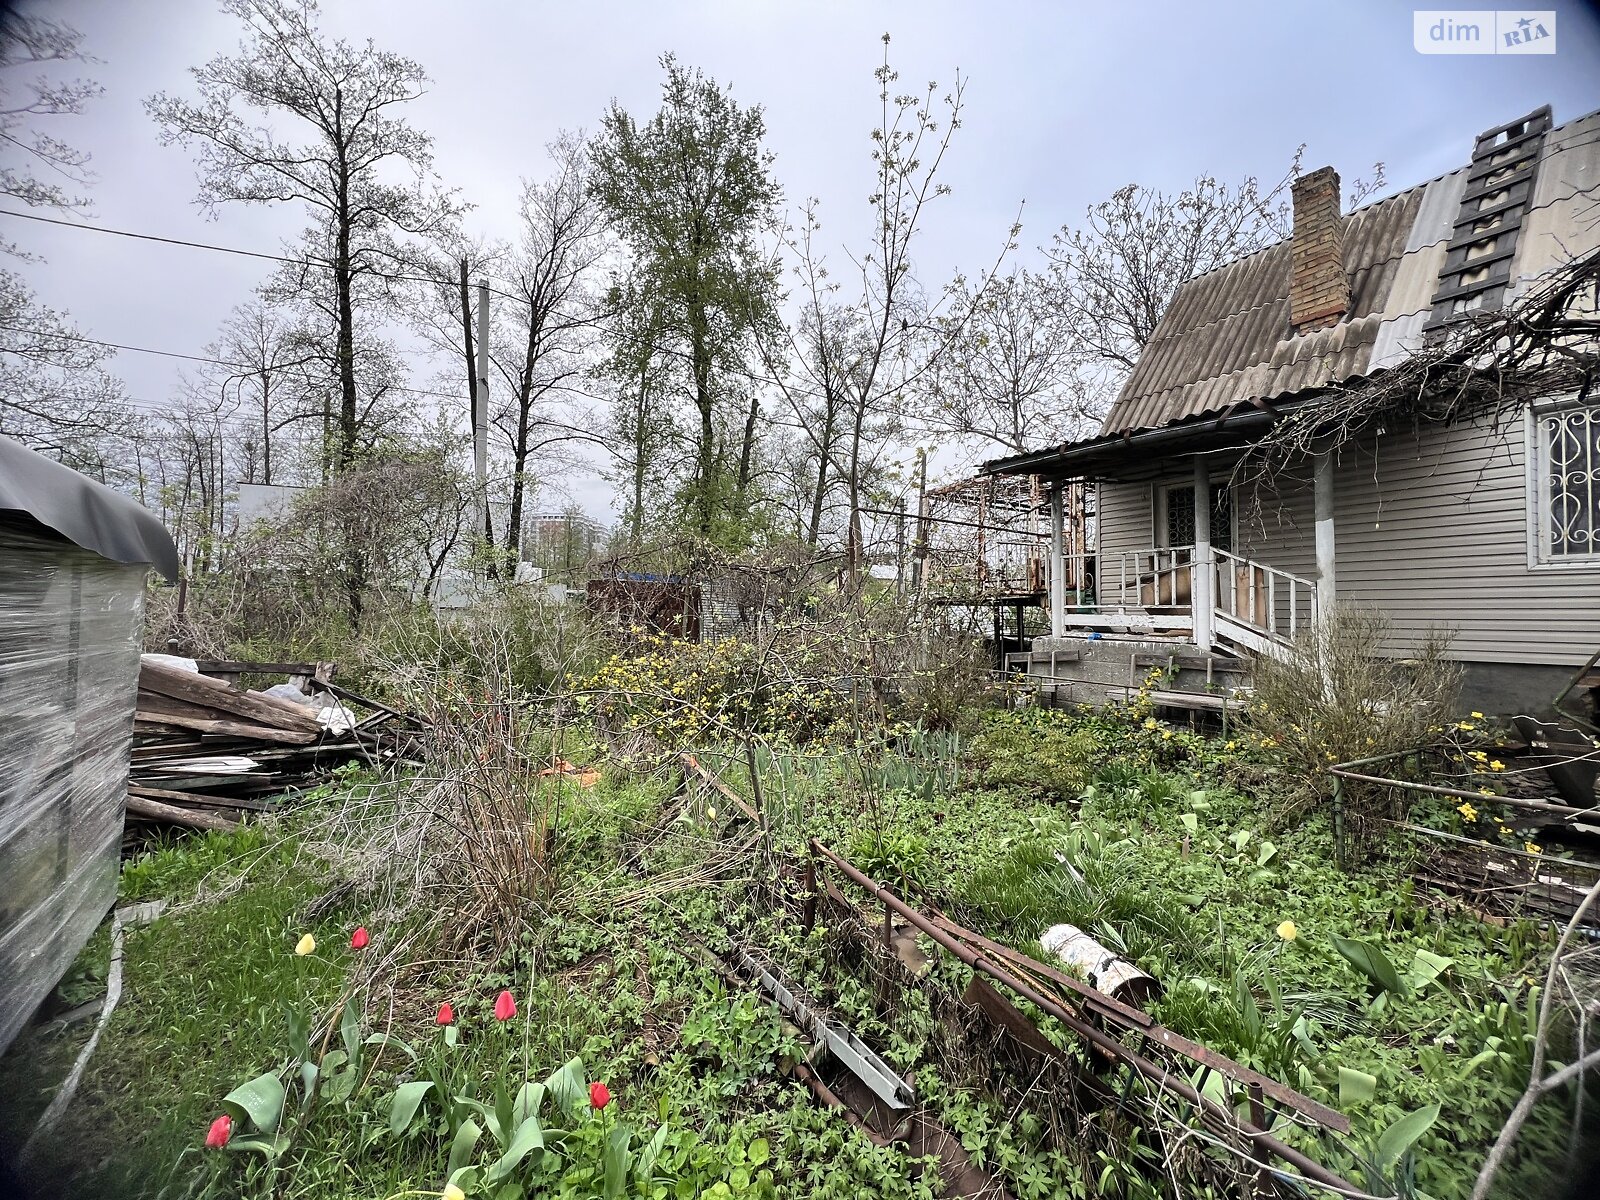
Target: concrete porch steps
(1082,670)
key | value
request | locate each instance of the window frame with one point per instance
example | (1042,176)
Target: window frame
(1536,456)
(1158,511)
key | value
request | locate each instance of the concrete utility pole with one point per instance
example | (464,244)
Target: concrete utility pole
(919,547)
(480,417)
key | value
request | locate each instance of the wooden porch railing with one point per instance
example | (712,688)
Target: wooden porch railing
(1257,606)
(1263,598)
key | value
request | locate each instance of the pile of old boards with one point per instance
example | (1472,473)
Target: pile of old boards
(207,751)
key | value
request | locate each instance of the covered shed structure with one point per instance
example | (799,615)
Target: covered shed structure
(73,561)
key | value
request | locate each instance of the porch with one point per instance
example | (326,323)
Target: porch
(1169,560)
(1196,594)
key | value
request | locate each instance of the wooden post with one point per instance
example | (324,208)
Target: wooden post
(1058,571)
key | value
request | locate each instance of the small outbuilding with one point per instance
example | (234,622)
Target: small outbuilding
(73,559)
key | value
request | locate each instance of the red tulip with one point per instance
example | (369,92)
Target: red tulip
(358,939)
(599,1095)
(219,1133)
(447,1015)
(504,1006)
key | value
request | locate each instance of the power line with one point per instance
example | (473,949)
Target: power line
(657,347)
(199,358)
(150,237)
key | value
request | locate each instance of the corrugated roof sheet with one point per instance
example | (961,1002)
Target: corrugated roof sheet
(1225,337)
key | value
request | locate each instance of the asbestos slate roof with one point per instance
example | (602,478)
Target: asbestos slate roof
(1225,339)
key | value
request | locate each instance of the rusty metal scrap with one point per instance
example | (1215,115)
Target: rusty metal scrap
(1253,1134)
(1116,1012)
(848,1049)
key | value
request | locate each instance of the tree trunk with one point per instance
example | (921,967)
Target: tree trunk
(640,462)
(824,456)
(854,551)
(519,451)
(747,447)
(346,351)
(266,427)
(706,464)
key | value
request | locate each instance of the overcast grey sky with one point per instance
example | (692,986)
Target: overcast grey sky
(1066,102)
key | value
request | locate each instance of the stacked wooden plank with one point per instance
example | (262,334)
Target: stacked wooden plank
(206,751)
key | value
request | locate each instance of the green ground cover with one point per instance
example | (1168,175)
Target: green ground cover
(1150,838)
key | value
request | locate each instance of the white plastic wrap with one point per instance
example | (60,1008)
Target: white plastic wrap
(70,626)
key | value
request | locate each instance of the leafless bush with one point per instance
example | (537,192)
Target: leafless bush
(1339,696)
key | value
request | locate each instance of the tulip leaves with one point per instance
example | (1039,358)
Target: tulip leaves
(1371,962)
(1426,966)
(462,1146)
(529,1137)
(407,1098)
(260,1101)
(567,1087)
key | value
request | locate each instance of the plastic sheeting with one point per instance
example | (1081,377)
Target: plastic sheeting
(70,625)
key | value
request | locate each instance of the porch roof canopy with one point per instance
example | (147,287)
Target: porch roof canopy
(1144,453)
(1225,362)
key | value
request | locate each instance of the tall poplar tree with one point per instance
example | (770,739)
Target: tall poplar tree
(689,191)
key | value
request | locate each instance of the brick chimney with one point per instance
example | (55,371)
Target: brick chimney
(1319,290)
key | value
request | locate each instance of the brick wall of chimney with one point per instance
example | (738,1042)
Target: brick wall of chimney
(1319,291)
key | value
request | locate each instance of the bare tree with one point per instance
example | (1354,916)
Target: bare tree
(269,353)
(56,393)
(540,350)
(859,354)
(42,166)
(1114,276)
(1014,374)
(342,99)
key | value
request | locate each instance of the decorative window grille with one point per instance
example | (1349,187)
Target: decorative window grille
(1180,516)
(1569,483)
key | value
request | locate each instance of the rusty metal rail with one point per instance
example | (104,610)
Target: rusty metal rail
(1102,1042)
(1110,1009)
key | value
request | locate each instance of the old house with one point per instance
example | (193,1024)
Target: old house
(1374,412)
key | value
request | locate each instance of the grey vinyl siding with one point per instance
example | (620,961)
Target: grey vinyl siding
(1125,519)
(1431,528)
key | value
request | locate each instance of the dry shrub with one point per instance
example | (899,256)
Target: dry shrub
(492,855)
(467,840)
(1339,696)
(945,681)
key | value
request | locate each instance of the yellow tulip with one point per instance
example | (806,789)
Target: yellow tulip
(1287,931)
(306,945)
(452,1192)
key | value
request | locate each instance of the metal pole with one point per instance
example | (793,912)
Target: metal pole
(1200,569)
(1322,508)
(1058,572)
(1105,1044)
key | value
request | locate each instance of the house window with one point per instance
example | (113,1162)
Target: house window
(1177,516)
(1567,482)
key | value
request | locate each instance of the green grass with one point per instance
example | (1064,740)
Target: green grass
(201,988)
